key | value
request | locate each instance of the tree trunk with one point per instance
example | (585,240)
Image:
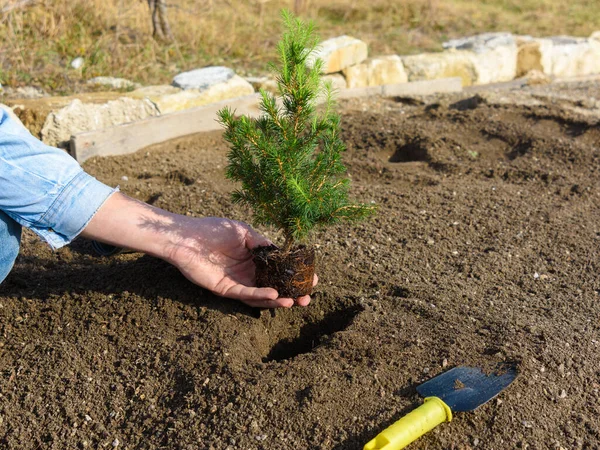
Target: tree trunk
(160,24)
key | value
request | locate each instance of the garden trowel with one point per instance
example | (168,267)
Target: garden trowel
(458,390)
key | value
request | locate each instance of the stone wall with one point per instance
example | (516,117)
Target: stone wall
(482,59)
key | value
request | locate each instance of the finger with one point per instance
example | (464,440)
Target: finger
(246,293)
(303,301)
(254,238)
(315,279)
(277,303)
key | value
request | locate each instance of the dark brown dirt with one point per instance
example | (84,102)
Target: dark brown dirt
(291,273)
(485,249)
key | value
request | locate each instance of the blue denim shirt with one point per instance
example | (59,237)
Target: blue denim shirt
(43,188)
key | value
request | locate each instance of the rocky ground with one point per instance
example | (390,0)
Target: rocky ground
(485,250)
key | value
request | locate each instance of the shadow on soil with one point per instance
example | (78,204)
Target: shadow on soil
(145,276)
(311,333)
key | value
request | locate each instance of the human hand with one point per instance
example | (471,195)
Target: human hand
(211,252)
(215,253)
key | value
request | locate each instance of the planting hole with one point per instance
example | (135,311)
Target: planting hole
(310,334)
(412,151)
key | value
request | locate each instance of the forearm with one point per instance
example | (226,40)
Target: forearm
(129,223)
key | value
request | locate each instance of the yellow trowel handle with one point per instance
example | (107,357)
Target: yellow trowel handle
(412,426)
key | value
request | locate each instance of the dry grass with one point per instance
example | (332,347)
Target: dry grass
(40,39)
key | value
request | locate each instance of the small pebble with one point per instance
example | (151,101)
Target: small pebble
(87,418)
(536,275)
(125,178)
(563,394)
(115,443)
(445,362)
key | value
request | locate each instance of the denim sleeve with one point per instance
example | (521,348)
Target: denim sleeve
(43,188)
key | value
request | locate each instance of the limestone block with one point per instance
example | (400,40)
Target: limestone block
(376,72)
(170,99)
(203,78)
(337,80)
(34,111)
(113,83)
(494,55)
(339,53)
(78,116)
(448,64)
(270,85)
(481,43)
(565,56)
(257,82)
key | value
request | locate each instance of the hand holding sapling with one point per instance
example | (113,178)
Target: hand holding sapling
(289,160)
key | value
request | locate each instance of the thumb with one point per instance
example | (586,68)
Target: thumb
(253,238)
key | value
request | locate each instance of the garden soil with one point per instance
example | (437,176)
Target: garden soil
(485,249)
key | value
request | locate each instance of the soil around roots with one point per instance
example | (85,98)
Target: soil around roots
(485,249)
(290,273)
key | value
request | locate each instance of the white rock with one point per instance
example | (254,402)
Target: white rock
(376,72)
(169,99)
(337,80)
(257,82)
(339,52)
(203,78)
(432,66)
(77,62)
(78,116)
(564,56)
(494,56)
(481,43)
(595,36)
(113,83)
(24,92)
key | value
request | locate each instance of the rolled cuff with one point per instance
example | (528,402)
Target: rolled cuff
(72,210)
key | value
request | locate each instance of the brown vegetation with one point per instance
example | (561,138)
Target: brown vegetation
(40,38)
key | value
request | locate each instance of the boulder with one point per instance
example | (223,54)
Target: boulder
(337,80)
(113,83)
(258,82)
(78,116)
(33,112)
(268,84)
(23,92)
(494,55)
(448,64)
(376,72)
(559,56)
(339,53)
(565,56)
(170,99)
(204,78)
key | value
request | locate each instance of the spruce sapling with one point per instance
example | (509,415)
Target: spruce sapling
(288,160)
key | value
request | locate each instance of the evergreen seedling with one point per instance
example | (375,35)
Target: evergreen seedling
(288,160)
